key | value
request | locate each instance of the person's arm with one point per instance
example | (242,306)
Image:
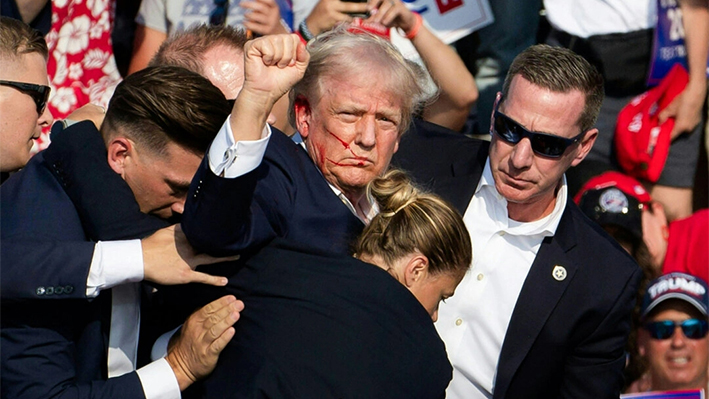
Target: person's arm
(146,43)
(594,368)
(222,213)
(458,91)
(687,107)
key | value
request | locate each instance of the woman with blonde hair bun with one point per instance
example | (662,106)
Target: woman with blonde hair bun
(418,238)
(323,325)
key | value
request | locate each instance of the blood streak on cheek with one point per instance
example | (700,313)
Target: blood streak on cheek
(343,142)
(321,154)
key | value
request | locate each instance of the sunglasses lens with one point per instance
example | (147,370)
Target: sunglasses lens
(660,329)
(548,145)
(695,329)
(508,130)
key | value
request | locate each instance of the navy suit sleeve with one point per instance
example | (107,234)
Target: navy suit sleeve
(39,360)
(44,270)
(225,216)
(595,367)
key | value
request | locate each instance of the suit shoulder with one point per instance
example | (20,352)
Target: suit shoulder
(596,243)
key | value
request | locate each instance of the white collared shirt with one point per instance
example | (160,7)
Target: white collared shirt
(473,323)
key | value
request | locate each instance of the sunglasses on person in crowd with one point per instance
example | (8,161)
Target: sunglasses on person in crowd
(692,328)
(218,15)
(544,144)
(39,93)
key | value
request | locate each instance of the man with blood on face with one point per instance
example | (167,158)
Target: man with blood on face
(351,106)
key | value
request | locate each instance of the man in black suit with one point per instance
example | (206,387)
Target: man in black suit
(59,347)
(545,310)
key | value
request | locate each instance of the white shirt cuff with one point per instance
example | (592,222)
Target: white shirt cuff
(159,381)
(114,263)
(160,346)
(233,159)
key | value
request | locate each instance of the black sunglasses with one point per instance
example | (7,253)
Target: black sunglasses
(39,93)
(218,15)
(692,328)
(546,145)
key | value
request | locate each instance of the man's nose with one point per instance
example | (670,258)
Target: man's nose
(678,338)
(178,207)
(522,154)
(367,132)
(46,119)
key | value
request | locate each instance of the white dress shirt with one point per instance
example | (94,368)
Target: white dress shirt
(473,323)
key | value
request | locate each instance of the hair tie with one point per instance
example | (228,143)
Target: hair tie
(407,203)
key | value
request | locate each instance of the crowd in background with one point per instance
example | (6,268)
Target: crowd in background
(637,168)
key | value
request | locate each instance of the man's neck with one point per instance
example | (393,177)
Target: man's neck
(530,212)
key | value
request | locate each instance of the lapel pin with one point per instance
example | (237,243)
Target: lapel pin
(559,273)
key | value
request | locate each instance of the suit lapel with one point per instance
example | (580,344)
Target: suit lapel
(540,294)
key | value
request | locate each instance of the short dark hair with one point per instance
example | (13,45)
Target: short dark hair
(158,105)
(187,49)
(560,70)
(17,38)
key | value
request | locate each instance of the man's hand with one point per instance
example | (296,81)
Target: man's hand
(686,108)
(272,64)
(169,259)
(193,353)
(328,13)
(392,14)
(263,17)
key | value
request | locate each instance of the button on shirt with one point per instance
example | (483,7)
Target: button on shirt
(473,323)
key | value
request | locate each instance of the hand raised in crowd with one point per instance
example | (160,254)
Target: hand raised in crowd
(169,259)
(392,14)
(263,17)
(328,13)
(272,65)
(193,352)
(686,108)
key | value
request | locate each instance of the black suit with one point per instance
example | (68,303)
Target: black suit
(326,326)
(565,338)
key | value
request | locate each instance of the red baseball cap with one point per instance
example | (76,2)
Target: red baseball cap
(614,198)
(641,142)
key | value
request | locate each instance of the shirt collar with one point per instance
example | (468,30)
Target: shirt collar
(367,204)
(546,226)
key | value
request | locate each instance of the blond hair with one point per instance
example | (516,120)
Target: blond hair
(412,220)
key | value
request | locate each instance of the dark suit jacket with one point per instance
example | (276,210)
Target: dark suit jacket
(47,269)
(285,196)
(566,338)
(326,326)
(55,347)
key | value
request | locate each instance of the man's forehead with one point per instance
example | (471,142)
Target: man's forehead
(29,68)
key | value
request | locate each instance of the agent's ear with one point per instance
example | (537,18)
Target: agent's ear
(301,106)
(415,269)
(120,154)
(585,145)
